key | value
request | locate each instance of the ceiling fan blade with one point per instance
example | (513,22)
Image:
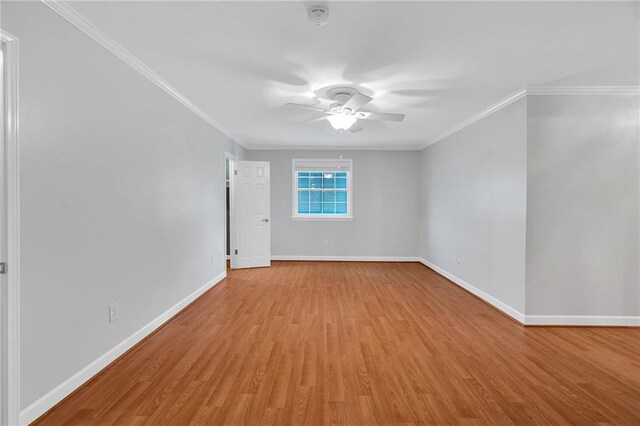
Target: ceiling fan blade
(313,120)
(307,106)
(357,101)
(366,115)
(356,127)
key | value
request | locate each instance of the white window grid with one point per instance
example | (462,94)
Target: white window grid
(334,188)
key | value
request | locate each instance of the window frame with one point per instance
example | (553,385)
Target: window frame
(324,216)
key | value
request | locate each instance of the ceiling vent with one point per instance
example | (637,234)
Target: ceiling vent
(318,15)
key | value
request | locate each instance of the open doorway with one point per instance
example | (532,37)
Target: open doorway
(229,234)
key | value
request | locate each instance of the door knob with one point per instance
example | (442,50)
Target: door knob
(265,220)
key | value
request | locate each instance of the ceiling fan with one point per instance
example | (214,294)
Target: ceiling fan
(345,112)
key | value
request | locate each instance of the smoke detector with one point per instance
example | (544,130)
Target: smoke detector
(318,15)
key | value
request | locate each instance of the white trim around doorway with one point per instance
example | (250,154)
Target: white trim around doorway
(232,211)
(10,332)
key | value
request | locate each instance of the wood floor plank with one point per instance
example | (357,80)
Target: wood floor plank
(331,343)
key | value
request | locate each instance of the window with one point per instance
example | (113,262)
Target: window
(322,189)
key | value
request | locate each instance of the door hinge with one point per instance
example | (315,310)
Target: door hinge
(236,251)
(3,267)
(235,172)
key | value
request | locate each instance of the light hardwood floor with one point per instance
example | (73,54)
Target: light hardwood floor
(360,344)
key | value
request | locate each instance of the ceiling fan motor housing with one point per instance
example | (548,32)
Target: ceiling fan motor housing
(318,15)
(341,95)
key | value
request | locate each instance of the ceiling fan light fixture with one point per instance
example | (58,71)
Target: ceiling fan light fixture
(345,112)
(341,122)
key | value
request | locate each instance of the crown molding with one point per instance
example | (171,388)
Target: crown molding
(583,90)
(78,20)
(537,91)
(63,9)
(479,116)
(7,37)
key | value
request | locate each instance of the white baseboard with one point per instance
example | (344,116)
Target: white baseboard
(512,312)
(583,320)
(42,405)
(550,320)
(349,258)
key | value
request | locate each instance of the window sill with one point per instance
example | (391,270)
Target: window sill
(322,219)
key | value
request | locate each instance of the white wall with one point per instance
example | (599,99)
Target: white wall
(582,206)
(540,202)
(472,204)
(385,184)
(121,198)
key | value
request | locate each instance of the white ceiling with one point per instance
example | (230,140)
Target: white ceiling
(439,63)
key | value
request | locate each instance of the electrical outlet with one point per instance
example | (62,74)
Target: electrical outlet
(113,312)
(326,243)
(458,260)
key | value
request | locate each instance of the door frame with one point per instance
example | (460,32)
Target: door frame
(11,309)
(232,209)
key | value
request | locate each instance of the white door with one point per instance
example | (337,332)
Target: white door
(253,213)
